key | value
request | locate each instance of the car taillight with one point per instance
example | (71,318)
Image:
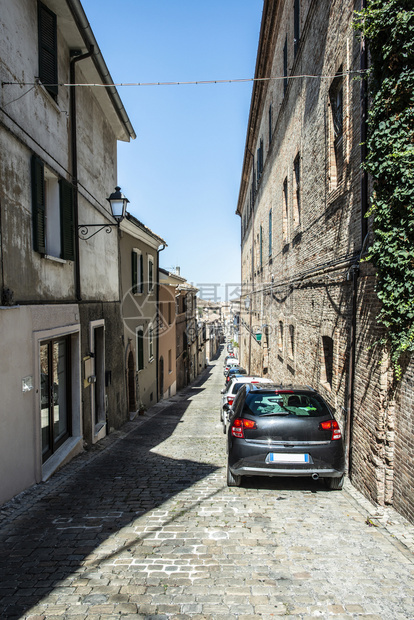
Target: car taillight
(331,425)
(230,401)
(238,426)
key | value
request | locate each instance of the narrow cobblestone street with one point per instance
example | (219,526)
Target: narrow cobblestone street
(144,526)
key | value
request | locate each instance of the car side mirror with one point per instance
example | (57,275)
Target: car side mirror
(223,391)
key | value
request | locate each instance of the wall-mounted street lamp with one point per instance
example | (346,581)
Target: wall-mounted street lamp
(118,203)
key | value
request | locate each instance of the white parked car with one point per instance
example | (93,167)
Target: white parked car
(230,392)
(231,363)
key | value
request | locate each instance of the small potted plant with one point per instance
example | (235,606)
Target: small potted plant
(141,408)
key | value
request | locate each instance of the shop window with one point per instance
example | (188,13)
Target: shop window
(98,387)
(55,394)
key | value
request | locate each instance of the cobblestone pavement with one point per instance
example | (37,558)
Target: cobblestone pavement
(144,526)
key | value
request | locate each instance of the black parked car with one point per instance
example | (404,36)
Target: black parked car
(283,431)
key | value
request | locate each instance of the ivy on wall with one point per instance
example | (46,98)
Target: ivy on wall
(388,29)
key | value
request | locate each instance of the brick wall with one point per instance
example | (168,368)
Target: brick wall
(300,277)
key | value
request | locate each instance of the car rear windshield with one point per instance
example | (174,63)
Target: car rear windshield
(275,403)
(236,387)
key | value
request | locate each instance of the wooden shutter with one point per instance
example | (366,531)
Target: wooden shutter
(140,347)
(141,274)
(67,224)
(38,205)
(134,272)
(47,29)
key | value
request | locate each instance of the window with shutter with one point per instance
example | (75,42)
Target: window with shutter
(67,222)
(134,272)
(53,213)
(47,32)
(137,272)
(38,206)
(150,274)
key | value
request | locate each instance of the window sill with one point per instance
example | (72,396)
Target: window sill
(55,259)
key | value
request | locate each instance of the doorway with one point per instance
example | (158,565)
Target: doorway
(55,394)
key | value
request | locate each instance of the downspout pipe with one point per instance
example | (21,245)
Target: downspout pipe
(76,56)
(252,272)
(364,240)
(164,245)
(364,131)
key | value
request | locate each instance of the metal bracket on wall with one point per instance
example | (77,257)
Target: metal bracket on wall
(83,230)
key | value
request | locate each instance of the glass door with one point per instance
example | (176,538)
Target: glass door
(55,391)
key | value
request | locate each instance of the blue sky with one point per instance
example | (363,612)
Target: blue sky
(182,173)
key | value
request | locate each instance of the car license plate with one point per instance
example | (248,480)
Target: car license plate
(285,457)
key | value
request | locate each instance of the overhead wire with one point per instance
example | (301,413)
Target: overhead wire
(188,83)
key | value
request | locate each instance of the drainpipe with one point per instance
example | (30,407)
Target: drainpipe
(158,319)
(364,132)
(354,272)
(76,57)
(252,263)
(364,239)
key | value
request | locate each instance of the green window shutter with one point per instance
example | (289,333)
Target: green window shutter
(38,206)
(67,224)
(47,32)
(134,272)
(141,274)
(150,275)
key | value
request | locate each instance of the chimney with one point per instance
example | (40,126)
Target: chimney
(178,271)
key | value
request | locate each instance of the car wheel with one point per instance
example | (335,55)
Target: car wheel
(232,481)
(335,484)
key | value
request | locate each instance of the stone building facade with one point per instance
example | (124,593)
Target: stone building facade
(61,362)
(308,305)
(139,280)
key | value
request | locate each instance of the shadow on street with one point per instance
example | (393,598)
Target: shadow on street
(49,541)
